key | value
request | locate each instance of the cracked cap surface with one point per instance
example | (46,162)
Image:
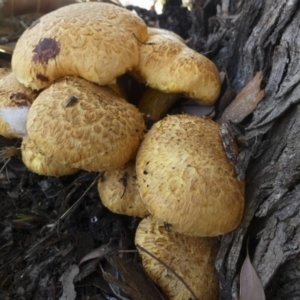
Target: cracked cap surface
(95,41)
(185,178)
(85,126)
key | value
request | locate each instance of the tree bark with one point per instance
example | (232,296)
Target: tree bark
(245,37)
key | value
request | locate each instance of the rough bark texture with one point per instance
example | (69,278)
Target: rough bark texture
(246,37)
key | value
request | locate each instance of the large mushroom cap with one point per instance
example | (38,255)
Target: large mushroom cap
(192,258)
(84,125)
(95,41)
(15,100)
(185,178)
(40,164)
(119,192)
(168,65)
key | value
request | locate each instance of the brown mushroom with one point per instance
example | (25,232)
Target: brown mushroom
(119,192)
(166,64)
(185,178)
(15,100)
(95,41)
(85,126)
(181,265)
(40,164)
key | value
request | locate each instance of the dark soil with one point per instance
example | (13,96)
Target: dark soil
(48,224)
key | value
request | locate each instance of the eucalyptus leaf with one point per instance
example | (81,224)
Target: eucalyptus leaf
(250,284)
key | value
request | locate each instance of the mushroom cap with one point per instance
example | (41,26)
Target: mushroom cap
(192,258)
(13,95)
(185,178)
(163,32)
(40,164)
(95,41)
(168,65)
(84,125)
(119,192)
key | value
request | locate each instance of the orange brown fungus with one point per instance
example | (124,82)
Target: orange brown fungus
(46,49)
(81,29)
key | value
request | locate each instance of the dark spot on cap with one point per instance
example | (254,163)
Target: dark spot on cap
(42,77)
(71,101)
(20,99)
(19,96)
(46,49)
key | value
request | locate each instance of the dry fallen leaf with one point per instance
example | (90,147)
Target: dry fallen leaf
(131,278)
(245,102)
(250,284)
(101,251)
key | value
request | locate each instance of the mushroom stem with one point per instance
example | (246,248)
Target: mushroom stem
(116,87)
(155,104)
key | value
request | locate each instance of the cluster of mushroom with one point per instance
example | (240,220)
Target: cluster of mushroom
(177,173)
(184,183)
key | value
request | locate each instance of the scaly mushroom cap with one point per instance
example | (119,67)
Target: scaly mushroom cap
(192,258)
(95,41)
(185,178)
(162,31)
(119,192)
(168,65)
(13,95)
(40,164)
(84,125)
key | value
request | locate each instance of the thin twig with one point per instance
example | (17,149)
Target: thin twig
(75,205)
(4,165)
(170,269)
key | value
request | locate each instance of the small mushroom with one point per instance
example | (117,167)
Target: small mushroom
(85,126)
(185,178)
(166,64)
(40,164)
(119,192)
(181,265)
(15,100)
(95,41)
